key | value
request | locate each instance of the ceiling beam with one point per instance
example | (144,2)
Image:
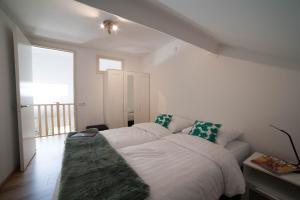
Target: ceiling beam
(159,17)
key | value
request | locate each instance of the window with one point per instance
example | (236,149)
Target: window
(107,63)
(52,75)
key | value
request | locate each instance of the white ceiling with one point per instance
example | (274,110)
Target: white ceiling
(74,22)
(269,27)
(265,27)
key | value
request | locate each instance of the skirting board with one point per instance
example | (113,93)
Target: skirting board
(7,178)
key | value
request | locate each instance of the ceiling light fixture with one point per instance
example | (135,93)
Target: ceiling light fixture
(110,26)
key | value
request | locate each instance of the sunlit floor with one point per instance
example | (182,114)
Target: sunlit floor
(39,179)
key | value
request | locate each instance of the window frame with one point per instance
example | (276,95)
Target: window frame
(109,58)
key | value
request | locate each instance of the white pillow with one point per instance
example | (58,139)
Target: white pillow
(225,135)
(178,123)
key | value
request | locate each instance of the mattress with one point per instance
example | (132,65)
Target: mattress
(239,149)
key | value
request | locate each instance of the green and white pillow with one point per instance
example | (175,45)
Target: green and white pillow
(164,120)
(206,130)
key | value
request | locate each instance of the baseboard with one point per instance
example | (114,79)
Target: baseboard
(7,178)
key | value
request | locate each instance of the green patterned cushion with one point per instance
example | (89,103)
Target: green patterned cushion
(206,130)
(164,120)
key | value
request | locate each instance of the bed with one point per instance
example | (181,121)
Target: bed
(137,134)
(180,166)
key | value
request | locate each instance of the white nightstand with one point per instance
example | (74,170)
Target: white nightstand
(262,184)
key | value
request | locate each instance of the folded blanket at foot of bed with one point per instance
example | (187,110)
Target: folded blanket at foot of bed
(92,169)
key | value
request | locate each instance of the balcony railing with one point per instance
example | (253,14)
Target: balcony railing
(53,119)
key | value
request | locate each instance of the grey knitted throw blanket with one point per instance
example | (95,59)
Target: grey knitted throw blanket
(93,170)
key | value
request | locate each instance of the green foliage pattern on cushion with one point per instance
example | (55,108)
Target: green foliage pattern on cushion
(206,130)
(164,120)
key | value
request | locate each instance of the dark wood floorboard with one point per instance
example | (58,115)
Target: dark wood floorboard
(39,179)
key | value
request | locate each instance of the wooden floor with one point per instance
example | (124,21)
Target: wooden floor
(39,179)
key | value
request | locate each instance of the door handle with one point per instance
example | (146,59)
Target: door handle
(25,106)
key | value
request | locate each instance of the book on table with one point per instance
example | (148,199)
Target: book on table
(275,165)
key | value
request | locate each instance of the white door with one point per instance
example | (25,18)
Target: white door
(141,98)
(115,99)
(23,71)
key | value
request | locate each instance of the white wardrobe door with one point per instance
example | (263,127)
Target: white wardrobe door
(115,99)
(141,98)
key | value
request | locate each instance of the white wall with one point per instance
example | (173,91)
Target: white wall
(8,114)
(248,96)
(89,84)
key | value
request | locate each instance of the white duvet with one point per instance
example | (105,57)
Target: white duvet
(137,134)
(184,167)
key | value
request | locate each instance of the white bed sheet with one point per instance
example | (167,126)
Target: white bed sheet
(137,134)
(180,167)
(239,149)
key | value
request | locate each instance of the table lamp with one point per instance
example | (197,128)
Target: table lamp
(292,143)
